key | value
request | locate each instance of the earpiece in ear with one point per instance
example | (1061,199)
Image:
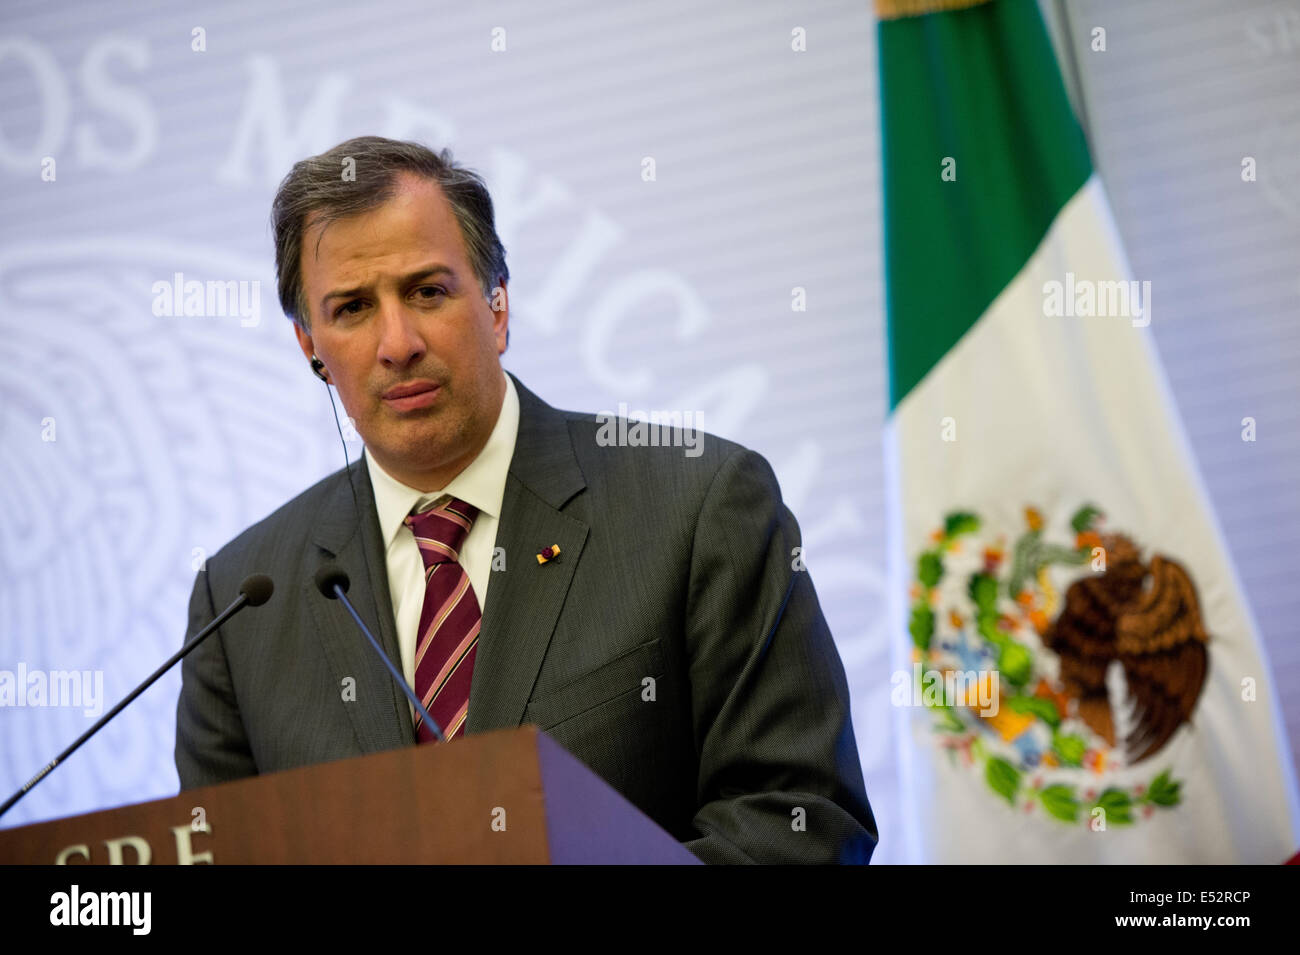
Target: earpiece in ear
(318,369)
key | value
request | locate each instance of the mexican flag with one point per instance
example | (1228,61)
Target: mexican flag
(1077,677)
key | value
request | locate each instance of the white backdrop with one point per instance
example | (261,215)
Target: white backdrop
(172,434)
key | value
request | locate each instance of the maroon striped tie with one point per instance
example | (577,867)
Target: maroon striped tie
(449,621)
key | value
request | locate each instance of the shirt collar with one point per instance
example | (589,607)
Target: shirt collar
(482,483)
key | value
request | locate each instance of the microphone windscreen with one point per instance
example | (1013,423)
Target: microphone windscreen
(258,589)
(329,576)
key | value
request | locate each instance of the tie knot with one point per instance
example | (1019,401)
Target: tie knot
(441,530)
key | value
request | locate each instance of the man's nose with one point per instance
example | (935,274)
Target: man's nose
(400,343)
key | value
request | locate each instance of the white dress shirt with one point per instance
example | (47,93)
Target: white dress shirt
(483,484)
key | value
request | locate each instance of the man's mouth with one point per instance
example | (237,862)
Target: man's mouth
(412,395)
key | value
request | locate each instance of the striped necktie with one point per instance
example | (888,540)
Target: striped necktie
(449,620)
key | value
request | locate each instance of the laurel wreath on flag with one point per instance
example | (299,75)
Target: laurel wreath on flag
(1004,611)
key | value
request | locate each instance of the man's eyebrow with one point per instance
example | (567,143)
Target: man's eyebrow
(432,270)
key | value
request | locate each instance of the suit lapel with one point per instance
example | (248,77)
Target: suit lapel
(379,713)
(523,601)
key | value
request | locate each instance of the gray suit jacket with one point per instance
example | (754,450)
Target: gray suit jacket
(672,567)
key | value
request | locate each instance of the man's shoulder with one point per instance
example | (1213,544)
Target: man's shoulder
(654,439)
(658,453)
(646,448)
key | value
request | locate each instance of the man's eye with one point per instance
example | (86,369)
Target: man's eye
(347,307)
(436,289)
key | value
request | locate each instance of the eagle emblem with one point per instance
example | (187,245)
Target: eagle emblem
(1056,666)
(1148,618)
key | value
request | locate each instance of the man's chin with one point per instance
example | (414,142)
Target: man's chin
(420,450)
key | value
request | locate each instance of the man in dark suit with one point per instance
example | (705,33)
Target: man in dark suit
(668,638)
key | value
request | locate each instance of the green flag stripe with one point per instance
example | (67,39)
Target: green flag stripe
(982,86)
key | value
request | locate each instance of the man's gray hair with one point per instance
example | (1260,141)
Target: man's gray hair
(319,187)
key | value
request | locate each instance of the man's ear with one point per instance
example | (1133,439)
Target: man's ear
(304,341)
(500,305)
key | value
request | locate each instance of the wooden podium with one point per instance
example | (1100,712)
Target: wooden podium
(507,796)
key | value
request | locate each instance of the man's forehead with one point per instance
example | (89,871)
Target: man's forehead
(416,219)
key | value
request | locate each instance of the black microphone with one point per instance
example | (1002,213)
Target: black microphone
(333,581)
(253,592)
